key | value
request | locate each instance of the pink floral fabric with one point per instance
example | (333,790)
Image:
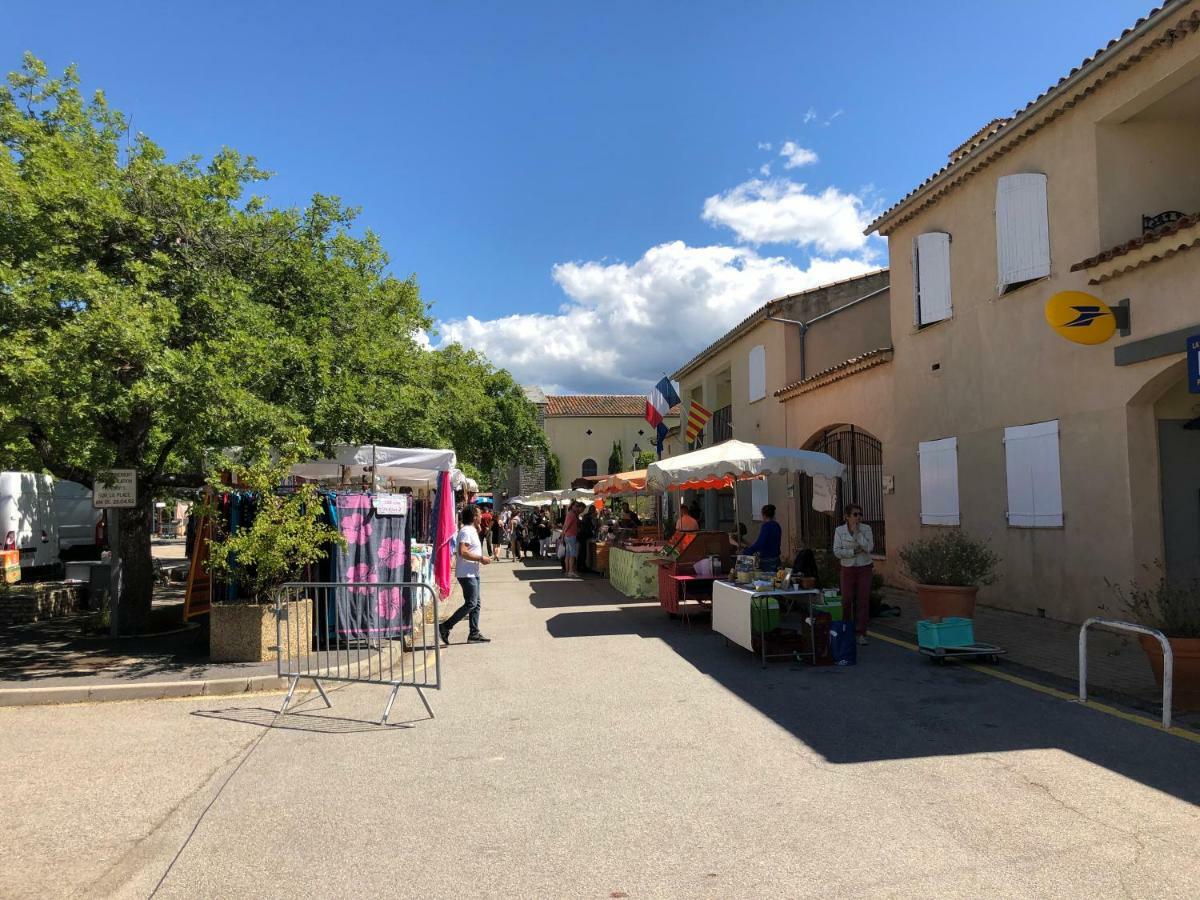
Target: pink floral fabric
(392,553)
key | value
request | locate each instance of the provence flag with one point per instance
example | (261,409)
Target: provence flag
(697,417)
(658,403)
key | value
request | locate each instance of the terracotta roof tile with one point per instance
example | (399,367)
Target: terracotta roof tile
(844,369)
(1018,127)
(597,405)
(1140,241)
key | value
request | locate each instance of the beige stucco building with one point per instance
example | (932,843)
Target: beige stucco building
(581,429)
(1079,463)
(787,340)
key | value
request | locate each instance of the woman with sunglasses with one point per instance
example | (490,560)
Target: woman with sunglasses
(852,545)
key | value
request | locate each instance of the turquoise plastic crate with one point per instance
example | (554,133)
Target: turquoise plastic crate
(950,632)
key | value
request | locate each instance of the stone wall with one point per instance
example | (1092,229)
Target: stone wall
(38,602)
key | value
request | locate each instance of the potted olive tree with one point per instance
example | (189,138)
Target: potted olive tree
(949,568)
(1173,607)
(285,536)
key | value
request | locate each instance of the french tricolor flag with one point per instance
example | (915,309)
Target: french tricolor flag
(658,403)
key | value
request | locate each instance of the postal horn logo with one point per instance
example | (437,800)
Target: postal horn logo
(1080,317)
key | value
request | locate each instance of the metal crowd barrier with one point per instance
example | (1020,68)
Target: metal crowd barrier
(1168,659)
(359,633)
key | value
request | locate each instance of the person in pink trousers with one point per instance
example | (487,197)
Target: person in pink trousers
(852,545)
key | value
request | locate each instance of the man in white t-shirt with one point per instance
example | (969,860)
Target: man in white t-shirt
(469,557)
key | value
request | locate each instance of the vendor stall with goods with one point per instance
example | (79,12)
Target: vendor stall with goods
(751,607)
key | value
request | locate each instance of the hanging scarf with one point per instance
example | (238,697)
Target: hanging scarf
(443,536)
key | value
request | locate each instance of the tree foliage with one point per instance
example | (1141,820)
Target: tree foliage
(553,472)
(287,533)
(645,458)
(615,460)
(152,310)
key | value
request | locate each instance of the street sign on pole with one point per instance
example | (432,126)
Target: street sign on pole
(1193,356)
(115,489)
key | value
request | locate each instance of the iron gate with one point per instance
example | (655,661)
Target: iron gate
(862,454)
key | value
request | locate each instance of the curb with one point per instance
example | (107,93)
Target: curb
(147,690)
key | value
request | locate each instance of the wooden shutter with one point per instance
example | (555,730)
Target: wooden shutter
(758,498)
(1034,478)
(939,481)
(757,377)
(933,277)
(1022,229)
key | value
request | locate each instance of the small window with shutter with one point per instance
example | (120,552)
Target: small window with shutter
(1022,230)
(939,481)
(757,376)
(931,276)
(1034,480)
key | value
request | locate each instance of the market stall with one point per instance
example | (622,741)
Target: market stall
(632,570)
(689,564)
(627,554)
(742,613)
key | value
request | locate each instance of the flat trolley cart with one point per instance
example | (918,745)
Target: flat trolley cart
(988,652)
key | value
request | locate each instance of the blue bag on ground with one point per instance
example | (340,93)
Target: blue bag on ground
(842,643)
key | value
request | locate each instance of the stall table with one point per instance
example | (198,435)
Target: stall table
(732,614)
(632,572)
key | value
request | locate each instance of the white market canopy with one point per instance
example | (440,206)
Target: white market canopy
(722,464)
(405,466)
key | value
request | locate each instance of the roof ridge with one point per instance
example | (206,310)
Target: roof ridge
(1020,116)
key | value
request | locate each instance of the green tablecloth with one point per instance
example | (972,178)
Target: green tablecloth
(633,574)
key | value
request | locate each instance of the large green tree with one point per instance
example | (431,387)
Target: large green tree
(152,310)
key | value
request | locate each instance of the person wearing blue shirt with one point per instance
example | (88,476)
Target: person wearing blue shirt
(767,545)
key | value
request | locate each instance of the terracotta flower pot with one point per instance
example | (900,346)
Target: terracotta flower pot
(946,600)
(1186,683)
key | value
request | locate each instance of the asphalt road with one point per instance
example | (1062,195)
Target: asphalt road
(598,749)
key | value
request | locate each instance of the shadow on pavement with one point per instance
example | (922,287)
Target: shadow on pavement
(895,704)
(294,721)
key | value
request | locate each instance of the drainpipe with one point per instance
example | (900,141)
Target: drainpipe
(825,315)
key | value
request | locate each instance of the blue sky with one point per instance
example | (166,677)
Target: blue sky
(557,173)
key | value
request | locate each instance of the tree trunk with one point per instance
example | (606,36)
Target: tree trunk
(137,581)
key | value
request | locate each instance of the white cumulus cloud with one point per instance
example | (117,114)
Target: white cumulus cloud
(764,145)
(780,211)
(795,156)
(624,324)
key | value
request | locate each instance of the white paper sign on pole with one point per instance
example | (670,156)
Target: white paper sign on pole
(115,489)
(391,504)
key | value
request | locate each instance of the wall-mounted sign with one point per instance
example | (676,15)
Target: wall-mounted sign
(1193,355)
(1080,317)
(115,489)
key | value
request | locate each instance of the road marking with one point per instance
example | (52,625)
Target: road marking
(1146,721)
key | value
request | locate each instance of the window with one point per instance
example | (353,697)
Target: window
(589,468)
(758,373)
(758,498)
(1034,482)
(1022,230)
(931,277)
(939,481)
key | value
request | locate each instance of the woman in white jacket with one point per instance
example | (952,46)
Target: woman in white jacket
(852,545)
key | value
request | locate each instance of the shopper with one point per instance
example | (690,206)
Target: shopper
(485,531)
(470,558)
(495,532)
(767,544)
(852,545)
(587,534)
(688,520)
(570,534)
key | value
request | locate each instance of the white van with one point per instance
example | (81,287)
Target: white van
(77,521)
(27,520)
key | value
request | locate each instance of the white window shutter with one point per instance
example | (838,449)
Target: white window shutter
(757,379)
(1022,229)
(933,277)
(939,481)
(1031,461)
(758,497)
